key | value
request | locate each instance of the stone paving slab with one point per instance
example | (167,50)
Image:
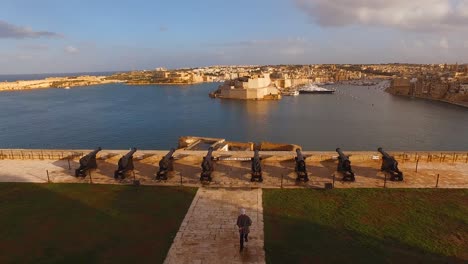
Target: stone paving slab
(208,233)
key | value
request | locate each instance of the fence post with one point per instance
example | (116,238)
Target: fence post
(48,179)
(417,161)
(333,180)
(385,180)
(90,179)
(282,175)
(454,158)
(181,179)
(437,183)
(69,167)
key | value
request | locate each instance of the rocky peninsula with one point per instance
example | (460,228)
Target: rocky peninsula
(56,82)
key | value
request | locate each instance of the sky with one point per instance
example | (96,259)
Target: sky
(57,36)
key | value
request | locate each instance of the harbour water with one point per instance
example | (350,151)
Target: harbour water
(117,116)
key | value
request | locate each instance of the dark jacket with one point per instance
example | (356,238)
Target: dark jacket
(243,222)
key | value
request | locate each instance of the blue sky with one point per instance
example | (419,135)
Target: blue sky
(76,36)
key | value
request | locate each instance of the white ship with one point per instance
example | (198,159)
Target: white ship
(314,89)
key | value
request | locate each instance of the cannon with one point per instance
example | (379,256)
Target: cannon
(207,166)
(165,165)
(256,168)
(87,162)
(301,169)
(125,164)
(344,166)
(390,165)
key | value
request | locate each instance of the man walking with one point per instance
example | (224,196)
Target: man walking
(243,222)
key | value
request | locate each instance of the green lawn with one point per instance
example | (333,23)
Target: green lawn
(81,223)
(366,226)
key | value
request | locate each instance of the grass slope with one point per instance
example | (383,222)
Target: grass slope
(366,226)
(80,223)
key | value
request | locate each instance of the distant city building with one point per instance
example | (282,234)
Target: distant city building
(253,87)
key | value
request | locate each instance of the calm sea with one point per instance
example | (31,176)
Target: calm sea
(117,116)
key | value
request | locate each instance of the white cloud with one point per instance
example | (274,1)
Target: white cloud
(414,15)
(71,49)
(8,30)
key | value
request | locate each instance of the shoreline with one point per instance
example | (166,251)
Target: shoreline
(463,105)
(56,82)
(81,81)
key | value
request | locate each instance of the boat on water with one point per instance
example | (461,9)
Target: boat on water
(314,89)
(291,93)
(68,87)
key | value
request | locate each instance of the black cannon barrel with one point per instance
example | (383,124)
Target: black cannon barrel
(131,152)
(165,165)
(124,160)
(344,166)
(390,165)
(342,155)
(256,154)
(165,161)
(94,152)
(299,155)
(210,153)
(385,154)
(256,167)
(208,160)
(87,162)
(207,166)
(169,154)
(85,159)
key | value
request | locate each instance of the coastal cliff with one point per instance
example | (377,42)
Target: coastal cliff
(56,82)
(454,93)
(129,78)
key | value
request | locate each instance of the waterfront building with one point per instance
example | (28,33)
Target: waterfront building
(254,87)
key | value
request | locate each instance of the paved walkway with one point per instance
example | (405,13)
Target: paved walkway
(233,169)
(208,233)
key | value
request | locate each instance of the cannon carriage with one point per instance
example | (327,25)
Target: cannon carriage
(301,169)
(207,166)
(344,166)
(87,162)
(390,165)
(125,165)
(256,167)
(165,165)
